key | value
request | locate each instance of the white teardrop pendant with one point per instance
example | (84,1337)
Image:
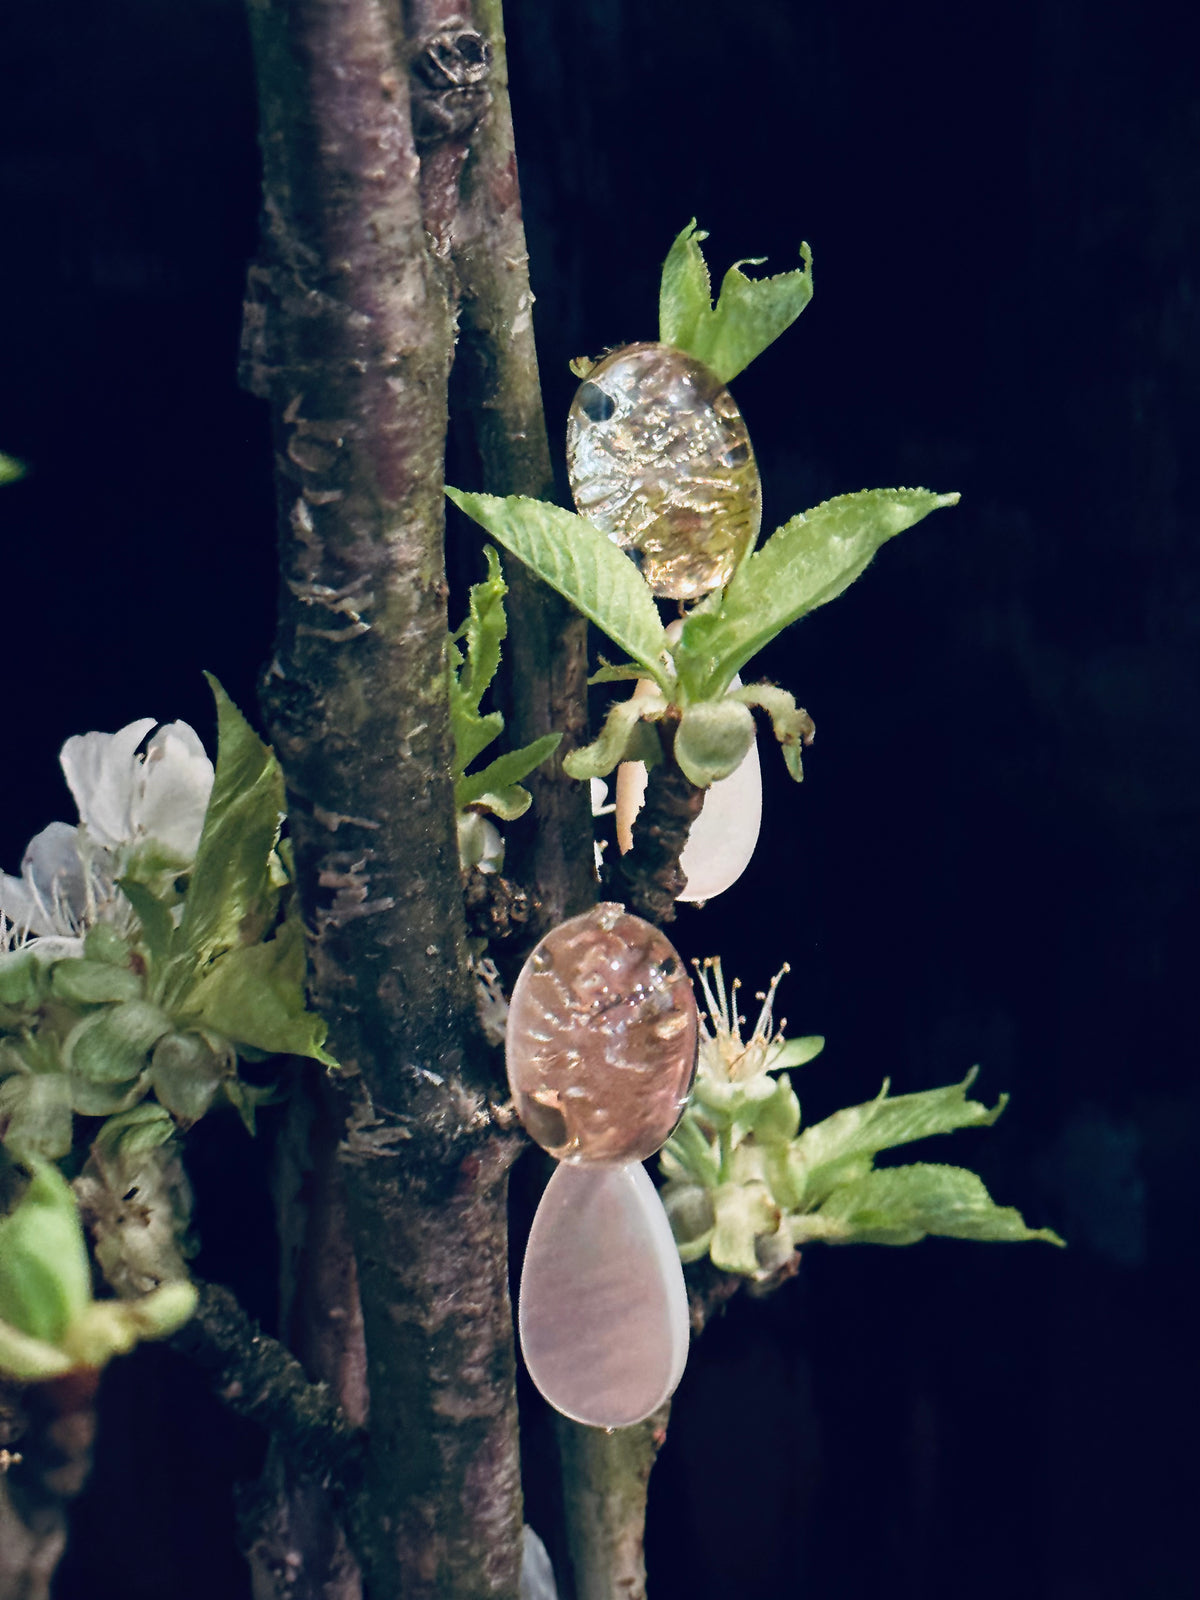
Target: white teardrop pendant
(603,1310)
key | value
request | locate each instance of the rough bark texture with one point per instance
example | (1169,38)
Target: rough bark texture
(650,873)
(547,644)
(258,1378)
(54,1427)
(295,1521)
(350,331)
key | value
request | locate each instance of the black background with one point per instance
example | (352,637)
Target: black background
(993,856)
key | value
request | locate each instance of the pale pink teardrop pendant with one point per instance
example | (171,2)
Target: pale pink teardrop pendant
(603,1310)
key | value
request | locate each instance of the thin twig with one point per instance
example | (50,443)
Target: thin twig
(259,1378)
(547,646)
(651,873)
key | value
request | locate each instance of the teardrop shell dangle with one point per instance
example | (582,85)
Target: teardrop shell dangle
(604,1312)
(659,457)
(601,1047)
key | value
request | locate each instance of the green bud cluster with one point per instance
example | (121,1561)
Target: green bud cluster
(746,1185)
(805,563)
(49,1323)
(144,1022)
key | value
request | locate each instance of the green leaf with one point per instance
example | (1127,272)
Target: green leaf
(746,1101)
(795,1052)
(45,1280)
(884,1123)
(35,1113)
(712,740)
(805,564)
(502,774)
(133,1132)
(230,897)
(185,1074)
(607,673)
(792,725)
(779,1117)
(111,1046)
(91,1099)
(158,925)
(84,982)
(620,739)
(254,995)
(21,976)
(750,313)
(11,469)
(102,942)
(485,630)
(900,1205)
(246,1099)
(574,557)
(507,804)
(781,1177)
(472,733)
(688,1151)
(30,1360)
(690,1212)
(470,675)
(685,291)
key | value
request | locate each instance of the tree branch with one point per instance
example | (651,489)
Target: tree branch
(547,646)
(57,1423)
(606,1475)
(293,1522)
(259,1378)
(605,1481)
(651,872)
(350,336)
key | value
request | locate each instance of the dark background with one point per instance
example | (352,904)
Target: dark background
(993,857)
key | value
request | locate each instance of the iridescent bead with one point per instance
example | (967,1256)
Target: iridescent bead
(659,457)
(602,1038)
(603,1310)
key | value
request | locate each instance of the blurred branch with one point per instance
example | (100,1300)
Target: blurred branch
(259,1378)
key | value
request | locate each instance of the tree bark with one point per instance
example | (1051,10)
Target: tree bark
(650,875)
(295,1519)
(606,1476)
(350,336)
(53,1428)
(547,644)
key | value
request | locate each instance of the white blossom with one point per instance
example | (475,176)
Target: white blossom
(125,800)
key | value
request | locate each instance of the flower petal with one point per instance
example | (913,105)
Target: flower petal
(20,906)
(171,790)
(101,769)
(56,879)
